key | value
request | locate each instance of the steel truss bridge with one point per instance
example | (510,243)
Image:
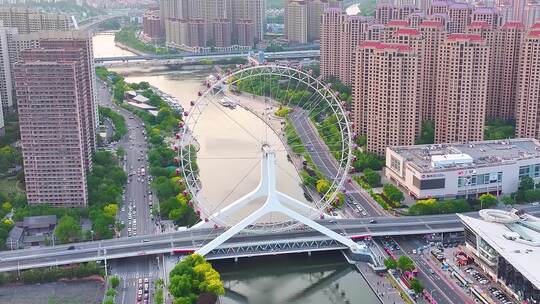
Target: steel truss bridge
(243,244)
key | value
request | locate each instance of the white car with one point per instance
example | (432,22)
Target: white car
(129,229)
(134,221)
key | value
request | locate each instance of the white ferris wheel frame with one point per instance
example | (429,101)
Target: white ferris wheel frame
(190,174)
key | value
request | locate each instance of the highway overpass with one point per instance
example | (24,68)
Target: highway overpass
(238,246)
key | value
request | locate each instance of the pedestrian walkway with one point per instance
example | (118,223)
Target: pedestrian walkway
(380,285)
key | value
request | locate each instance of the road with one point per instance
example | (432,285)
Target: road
(135,213)
(194,238)
(326,162)
(442,292)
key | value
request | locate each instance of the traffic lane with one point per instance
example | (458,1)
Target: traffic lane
(326,161)
(430,277)
(209,234)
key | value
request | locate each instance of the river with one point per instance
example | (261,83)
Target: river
(284,279)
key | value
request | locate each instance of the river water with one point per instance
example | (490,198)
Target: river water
(229,161)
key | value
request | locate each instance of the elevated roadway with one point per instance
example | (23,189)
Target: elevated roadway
(195,238)
(221,55)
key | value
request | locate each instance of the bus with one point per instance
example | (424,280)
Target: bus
(478,295)
(428,297)
(460,279)
(183,251)
(361,237)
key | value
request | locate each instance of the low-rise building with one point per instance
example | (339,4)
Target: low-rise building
(505,245)
(32,231)
(463,170)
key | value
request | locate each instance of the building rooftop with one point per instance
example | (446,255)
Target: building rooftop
(42,221)
(140,99)
(442,157)
(15,235)
(516,238)
(142,106)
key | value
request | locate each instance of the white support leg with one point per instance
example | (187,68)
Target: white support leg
(294,204)
(250,219)
(275,202)
(322,229)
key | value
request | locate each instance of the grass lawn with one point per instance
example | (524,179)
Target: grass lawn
(9,185)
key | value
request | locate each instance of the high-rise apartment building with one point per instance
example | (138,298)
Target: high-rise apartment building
(487,14)
(340,36)
(462,83)
(385,94)
(331,22)
(28,20)
(354,31)
(198,25)
(459,16)
(55,94)
(528,91)
(296,24)
(152,29)
(6,85)
(507,49)
(434,35)
(303,19)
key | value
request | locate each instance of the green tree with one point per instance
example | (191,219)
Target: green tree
(193,276)
(393,193)
(526,183)
(390,263)
(323,186)
(404,263)
(507,200)
(372,178)
(416,286)
(6,206)
(532,195)
(488,200)
(68,229)
(427,135)
(111,209)
(114,281)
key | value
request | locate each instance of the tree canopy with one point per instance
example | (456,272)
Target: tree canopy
(192,277)
(68,229)
(404,263)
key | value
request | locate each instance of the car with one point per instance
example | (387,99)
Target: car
(373,222)
(146,280)
(146,287)
(129,229)
(71,247)
(134,221)
(122,222)
(140,281)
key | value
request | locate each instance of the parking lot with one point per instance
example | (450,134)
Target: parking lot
(475,275)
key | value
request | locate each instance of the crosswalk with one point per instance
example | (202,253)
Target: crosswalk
(136,275)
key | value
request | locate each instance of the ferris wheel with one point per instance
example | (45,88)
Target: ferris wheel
(241,119)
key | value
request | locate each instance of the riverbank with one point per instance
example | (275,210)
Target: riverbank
(129,49)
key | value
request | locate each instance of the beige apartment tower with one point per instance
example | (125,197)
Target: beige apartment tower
(462,82)
(28,20)
(55,89)
(528,91)
(49,85)
(385,103)
(434,35)
(331,42)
